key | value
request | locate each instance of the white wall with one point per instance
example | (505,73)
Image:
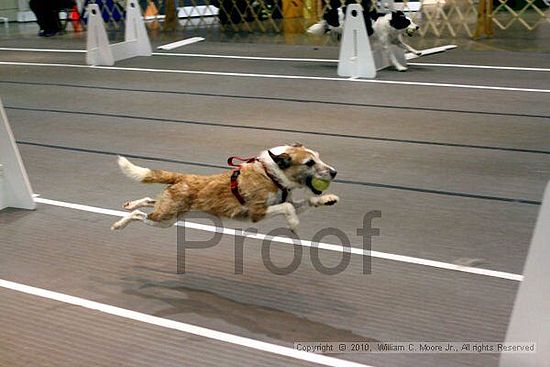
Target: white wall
(9,9)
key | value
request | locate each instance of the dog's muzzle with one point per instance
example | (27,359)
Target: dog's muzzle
(412,30)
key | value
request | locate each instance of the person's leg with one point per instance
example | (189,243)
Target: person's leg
(51,19)
(37,7)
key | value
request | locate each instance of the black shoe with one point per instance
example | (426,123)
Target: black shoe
(41,33)
(50,33)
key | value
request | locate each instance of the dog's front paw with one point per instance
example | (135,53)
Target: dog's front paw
(324,200)
(329,199)
(293,224)
(401,68)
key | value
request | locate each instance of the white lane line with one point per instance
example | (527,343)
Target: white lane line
(468,66)
(180,326)
(68,51)
(279,76)
(292,59)
(188,41)
(304,243)
(234,57)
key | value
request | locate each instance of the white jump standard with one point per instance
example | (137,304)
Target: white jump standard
(136,41)
(15,189)
(356,59)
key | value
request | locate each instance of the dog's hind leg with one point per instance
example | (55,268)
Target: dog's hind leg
(160,219)
(138,215)
(168,207)
(164,214)
(161,224)
(140,203)
(133,216)
(394,60)
(385,45)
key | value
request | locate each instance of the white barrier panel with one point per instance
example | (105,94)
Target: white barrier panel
(429,51)
(355,58)
(530,321)
(3,203)
(185,42)
(136,41)
(15,188)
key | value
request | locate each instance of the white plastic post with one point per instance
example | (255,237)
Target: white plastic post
(3,203)
(136,41)
(135,29)
(15,187)
(98,51)
(356,58)
(530,321)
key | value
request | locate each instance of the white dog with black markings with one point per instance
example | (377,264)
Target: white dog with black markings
(389,30)
(386,31)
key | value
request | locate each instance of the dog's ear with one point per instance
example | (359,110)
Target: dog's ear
(399,20)
(283,160)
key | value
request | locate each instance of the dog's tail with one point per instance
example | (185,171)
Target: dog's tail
(147,175)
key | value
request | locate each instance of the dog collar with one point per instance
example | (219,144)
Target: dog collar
(283,189)
(237,171)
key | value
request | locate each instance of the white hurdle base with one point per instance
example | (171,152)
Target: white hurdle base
(355,60)
(15,188)
(3,202)
(136,41)
(530,321)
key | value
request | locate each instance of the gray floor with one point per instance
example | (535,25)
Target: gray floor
(458,175)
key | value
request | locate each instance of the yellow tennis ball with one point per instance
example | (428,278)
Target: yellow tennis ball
(320,184)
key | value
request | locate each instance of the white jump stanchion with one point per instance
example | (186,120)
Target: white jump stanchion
(136,41)
(530,321)
(355,58)
(98,50)
(15,188)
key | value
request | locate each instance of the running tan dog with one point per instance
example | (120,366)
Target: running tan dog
(257,189)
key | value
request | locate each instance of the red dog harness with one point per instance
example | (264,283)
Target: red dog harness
(237,171)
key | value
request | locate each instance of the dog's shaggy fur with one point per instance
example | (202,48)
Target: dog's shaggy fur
(386,31)
(292,166)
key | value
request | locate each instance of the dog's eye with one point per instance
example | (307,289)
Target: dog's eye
(310,163)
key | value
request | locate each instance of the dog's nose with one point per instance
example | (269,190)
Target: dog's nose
(417,27)
(333,173)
